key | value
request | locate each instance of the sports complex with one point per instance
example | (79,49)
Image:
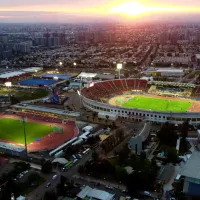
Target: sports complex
(138,99)
(42,132)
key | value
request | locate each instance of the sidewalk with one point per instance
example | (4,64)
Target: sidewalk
(102,182)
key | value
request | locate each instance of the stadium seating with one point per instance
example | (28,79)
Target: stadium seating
(170,91)
(113,87)
(39,117)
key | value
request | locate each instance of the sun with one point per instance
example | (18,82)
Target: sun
(130,9)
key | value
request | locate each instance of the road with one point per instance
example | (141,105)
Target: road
(38,193)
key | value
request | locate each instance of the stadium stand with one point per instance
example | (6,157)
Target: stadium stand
(39,117)
(114,87)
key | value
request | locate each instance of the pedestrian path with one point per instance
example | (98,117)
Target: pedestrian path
(102,182)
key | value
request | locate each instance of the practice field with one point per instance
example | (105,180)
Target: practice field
(154,103)
(13,130)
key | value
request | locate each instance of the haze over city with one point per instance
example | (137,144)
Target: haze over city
(92,10)
(99,99)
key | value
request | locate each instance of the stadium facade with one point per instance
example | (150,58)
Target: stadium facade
(91,101)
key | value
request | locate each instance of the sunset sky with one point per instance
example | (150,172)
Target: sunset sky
(83,10)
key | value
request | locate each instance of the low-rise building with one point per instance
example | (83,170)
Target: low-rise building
(90,193)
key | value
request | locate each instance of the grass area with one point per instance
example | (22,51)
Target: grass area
(114,160)
(30,189)
(24,94)
(157,104)
(13,130)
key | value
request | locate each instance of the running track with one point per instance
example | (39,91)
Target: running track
(49,141)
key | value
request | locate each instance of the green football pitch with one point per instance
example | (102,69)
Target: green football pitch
(13,130)
(157,104)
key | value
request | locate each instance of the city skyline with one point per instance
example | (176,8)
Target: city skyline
(92,10)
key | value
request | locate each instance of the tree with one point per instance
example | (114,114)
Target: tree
(167,135)
(143,156)
(184,129)
(94,115)
(121,173)
(50,194)
(33,177)
(119,134)
(123,154)
(81,169)
(114,125)
(67,82)
(172,155)
(95,156)
(47,167)
(107,117)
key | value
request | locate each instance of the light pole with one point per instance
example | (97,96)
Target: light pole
(8,85)
(25,142)
(79,93)
(60,63)
(74,64)
(119,67)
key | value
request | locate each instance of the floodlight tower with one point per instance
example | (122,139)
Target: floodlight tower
(61,64)
(25,141)
(119,67)
(9,85)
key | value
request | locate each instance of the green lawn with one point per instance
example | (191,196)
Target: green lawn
(13,130)
(24,94)
(157,104)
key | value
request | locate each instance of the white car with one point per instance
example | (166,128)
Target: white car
(54,177)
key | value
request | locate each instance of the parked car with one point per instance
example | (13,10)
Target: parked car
(54,177)
(48,184)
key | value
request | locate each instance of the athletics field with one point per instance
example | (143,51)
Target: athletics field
(13,130)
(152,103)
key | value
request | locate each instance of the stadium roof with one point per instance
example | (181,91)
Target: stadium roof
(11,74)
(153,69)
(177,84)
(60,76)
(32,69)
(11,147)
(87,75)
(94,194)
(47,109)
(60,160)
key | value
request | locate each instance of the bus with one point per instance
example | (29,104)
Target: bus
(68,164)
(86,151)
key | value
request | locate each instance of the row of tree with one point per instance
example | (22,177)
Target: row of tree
(110,142)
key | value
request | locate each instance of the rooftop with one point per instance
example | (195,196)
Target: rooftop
(32,69)
(59,76)
(47,109)
(11,147)
(87,75)
(11,74)
(192,167)
(95,194)
(151,69)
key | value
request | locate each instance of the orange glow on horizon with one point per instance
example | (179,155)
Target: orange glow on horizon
(130,9)
(135,9)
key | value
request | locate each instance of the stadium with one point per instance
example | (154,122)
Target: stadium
(138,99)
(45,129)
